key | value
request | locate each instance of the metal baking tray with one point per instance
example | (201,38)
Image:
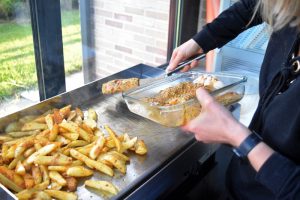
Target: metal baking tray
(112,110)
(179,114)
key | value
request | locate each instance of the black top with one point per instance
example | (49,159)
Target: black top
(278,122)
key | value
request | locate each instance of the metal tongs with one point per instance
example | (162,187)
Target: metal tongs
(177,69)
(186,62)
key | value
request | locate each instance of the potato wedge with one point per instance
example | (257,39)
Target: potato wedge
(5,138)
(45,173)
(49,121)
(110,143)
(66,151)
(77,143)
(37,146)
(29,151)
(79,112)
(102,186)
(36,174)
(92,114)
(92,124)
(41,152)
(129,144)
(30,126)
(115,138)
(14,162)
(19,134)
(140,147)
(40,119)
(21,147)
(79,171)
(4,150)
(53,132)
(61,195)
(71,136)
(55,176)
(86,149)
(29,182)
(57,116)
(101,158)
(30,193)
(119,164)
(55,186)
(40,195)
(42,185)
(10,184)
(76,163)
(58,168)
(72,115)
(119,156)
(14,177)
(65,111)
(11,152)
(96,149)
(98,133)
(78,120)
(87,128)
(62,140)
(57,159)
(72,127)
(20,169)
(92,163)
(26,194)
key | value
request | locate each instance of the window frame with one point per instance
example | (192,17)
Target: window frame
(179,32)
(48,47)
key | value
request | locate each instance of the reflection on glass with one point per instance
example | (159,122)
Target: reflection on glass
(72,43)
(17,62)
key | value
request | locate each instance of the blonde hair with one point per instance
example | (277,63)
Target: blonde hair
(279,13)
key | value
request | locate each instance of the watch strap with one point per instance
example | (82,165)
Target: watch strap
(247,145)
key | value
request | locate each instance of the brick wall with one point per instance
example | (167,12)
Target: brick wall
(129,32)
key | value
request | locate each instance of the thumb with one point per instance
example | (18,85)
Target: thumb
(204,97)
(175,60)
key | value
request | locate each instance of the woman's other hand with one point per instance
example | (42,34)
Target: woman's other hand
(182,53)
(215,124)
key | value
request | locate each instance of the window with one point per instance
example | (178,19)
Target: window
(72,44)
(48,47)
(18,80)
(118,35)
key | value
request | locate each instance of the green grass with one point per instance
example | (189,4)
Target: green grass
(17,62)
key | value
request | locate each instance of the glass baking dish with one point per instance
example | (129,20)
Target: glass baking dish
(232,91)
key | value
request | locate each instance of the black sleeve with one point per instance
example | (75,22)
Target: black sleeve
(281,176)
(228,25)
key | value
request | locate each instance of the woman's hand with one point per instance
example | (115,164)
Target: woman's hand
(183,52)
(215,124)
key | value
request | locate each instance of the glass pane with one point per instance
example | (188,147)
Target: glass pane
(72,46)
(18,81)
(120,35)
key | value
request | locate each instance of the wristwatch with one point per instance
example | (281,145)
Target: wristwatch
(247,145)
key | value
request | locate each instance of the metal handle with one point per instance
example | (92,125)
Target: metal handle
(184,63)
